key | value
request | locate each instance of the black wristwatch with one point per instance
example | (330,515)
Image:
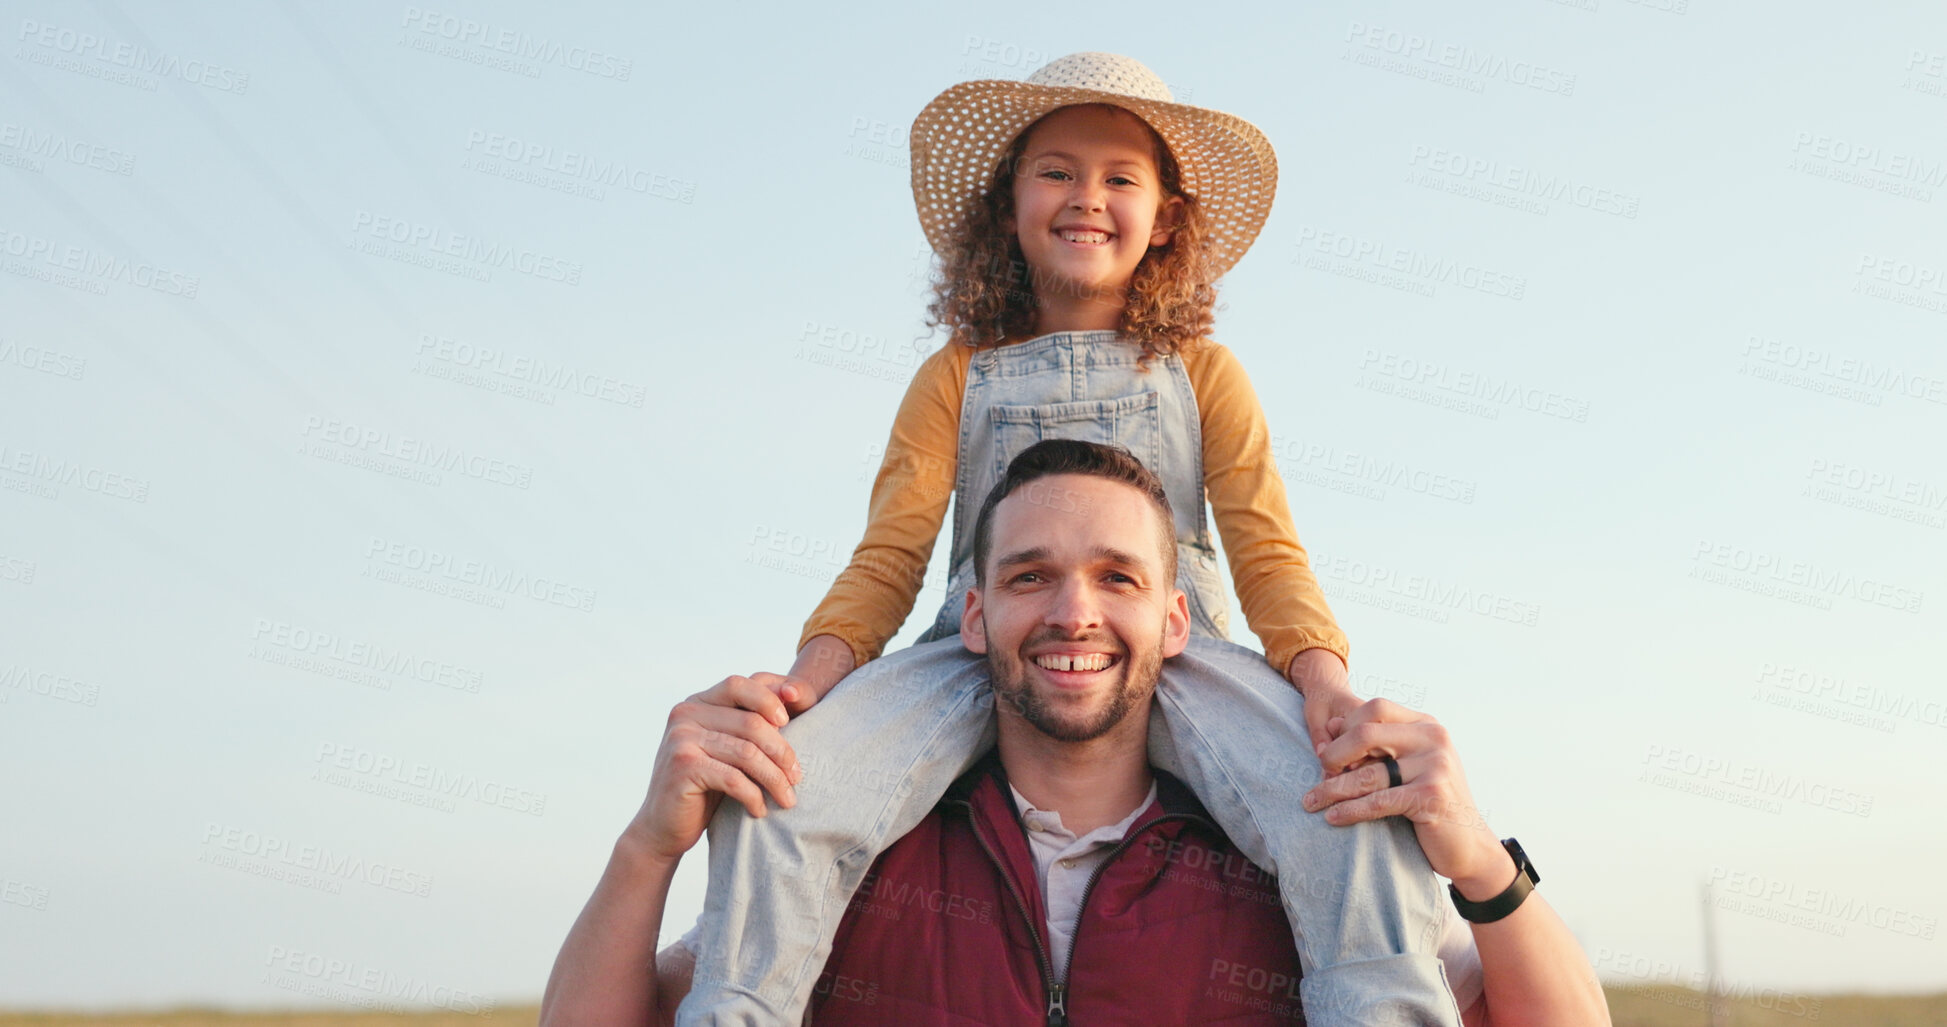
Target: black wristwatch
(1525,879)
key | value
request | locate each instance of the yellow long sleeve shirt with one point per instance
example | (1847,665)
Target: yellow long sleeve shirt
(1279,593)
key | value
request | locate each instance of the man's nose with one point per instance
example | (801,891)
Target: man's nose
(1075,607)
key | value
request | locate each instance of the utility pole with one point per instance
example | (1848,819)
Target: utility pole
(1720,1014)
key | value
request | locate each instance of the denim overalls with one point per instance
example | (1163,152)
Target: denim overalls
(1051,388)
(881,748)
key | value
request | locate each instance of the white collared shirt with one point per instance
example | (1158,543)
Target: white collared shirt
(1064,863)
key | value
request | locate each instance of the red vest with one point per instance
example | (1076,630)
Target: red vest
(1176,927)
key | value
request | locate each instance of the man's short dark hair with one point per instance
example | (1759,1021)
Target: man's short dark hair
(1050,457)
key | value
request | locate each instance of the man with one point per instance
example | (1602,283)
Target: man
(1064,878)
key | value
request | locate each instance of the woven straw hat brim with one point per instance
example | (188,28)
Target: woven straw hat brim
(959,140)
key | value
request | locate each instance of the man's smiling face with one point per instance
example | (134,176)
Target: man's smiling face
(1078,611)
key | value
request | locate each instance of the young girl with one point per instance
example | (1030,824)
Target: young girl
(1081,218)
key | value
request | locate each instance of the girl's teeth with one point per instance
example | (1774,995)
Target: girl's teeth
(1086,237)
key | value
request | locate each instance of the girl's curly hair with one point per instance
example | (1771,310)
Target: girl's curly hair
(983,289)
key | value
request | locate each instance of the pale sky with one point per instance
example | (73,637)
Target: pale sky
(1600,340)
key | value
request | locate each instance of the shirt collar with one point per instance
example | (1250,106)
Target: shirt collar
(1051,820)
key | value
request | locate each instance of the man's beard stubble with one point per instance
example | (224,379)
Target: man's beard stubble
(1009,673)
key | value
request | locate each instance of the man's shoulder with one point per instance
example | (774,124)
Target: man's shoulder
(987,768)
(1175,797)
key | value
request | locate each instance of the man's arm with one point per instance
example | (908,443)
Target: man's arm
(721,742)
(675,966)
(606,972)
(1533,970)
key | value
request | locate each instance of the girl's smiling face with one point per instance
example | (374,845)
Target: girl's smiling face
(1087,200)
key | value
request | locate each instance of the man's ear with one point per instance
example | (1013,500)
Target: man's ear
(973,630)
(1176,624)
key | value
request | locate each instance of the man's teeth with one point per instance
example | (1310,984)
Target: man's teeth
(1062,661)
(1089,237)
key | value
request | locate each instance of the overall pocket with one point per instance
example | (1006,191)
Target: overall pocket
(1132,422)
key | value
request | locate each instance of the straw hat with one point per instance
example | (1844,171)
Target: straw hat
(961,137)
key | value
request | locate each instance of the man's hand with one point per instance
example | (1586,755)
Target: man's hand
(1434,793)
(723,741)
(1533,971)
(1319,676)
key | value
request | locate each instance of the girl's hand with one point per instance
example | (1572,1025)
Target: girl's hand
(822,663)
(1325,704)
(797,694)
(1320,677)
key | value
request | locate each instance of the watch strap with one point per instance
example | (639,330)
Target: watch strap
(1510,899)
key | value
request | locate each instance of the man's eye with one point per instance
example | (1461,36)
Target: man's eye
(1121,577)
(1024,576)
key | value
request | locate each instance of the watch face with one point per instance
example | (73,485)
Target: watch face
(1521,860)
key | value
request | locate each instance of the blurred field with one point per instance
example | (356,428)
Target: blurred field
(1629,1007)
(510,1016)
(1670,1007)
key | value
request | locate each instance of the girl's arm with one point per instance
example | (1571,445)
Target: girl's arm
(823,662)
(870,599)
(1275,585)
(1280,595)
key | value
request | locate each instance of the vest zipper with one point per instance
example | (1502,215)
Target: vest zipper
(1075,936)
(1057,994)
(1058,991)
